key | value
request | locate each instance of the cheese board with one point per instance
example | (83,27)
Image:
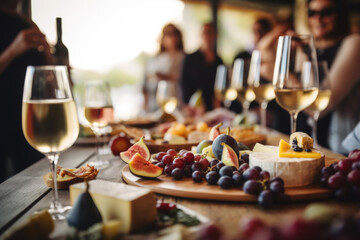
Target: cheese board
(188,189)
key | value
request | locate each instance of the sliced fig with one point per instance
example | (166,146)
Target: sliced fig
(139,147)
(215,131)
(141,167)
(229,157)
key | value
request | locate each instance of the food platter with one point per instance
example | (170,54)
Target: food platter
(188,189)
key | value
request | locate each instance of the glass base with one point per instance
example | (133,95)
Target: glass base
(59,212)
(99,164)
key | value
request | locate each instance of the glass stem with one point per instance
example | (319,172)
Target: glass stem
(246,106)
(315,121)
(293,116)
(53,158)
(98,142)
(263,114)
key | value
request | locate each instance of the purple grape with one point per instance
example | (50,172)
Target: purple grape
(243,167)
(265,199)
(178,163)
(324,179)
(237,179)
(171,152)
(226,171)
(205,163)
(264,175)
(245,157)
(257,168)
(225,182)
(197,176)
(187,171)
(160,164)
(214,162)
(344,193)
(356,165)
(160,155)
(182,152)
(177,173)
(166,159)
(252,187)
(188,157)
(278,179)
(327,170)
(212,177)
(336,181)
(210,232)
(276,187)
(196,166)
(345,165)
(168,169)
(354,177)
(220,165)
(250,174)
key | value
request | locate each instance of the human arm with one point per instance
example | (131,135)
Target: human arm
(345,72)
(25,40)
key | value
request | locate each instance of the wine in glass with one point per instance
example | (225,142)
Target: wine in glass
(264,92)
(222,89)
(245,94)
(322,100)
(49,119)
(295,77)
(166,96)
(99,113)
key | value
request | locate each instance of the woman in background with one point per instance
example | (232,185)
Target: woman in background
(166,65)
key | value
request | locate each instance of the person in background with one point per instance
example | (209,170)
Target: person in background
(199,69)
(21,44)
(166,65)
(329,23)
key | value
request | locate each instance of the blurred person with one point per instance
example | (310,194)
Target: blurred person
(166,65)
(329,23)
(199,69)
(21,44)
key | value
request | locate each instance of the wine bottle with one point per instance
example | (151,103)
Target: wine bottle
(61,53)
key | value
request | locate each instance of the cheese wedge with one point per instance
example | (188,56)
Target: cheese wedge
(303,140)
(294,171)
(263,148)
(285,150)
(135,207)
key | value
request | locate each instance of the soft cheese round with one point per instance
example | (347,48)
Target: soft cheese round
(295,172)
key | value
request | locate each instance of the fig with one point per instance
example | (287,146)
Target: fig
(84,213)
(203,144)
(229,157)
(224,138)
(215,131)
(139,147)
(242,146)
(119,143)
(141,167)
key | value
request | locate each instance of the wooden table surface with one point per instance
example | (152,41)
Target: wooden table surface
(26,192)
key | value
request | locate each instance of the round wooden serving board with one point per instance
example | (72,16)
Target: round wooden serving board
(188,189)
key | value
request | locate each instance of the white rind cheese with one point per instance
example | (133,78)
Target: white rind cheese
(135,207)
(295,172)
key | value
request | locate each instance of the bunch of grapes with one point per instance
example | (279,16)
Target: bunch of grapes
(253,180)
(344,177)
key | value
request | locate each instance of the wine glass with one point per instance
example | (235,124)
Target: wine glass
(99,113)
(264,92)
(49,119)
(222,89)
(245,94)
(295,77)
(166,96)
(322,100)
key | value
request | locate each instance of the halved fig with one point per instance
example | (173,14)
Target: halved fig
(141,167)
(228,156)
(215,131)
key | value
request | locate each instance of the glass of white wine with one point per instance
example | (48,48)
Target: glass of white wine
(322,100)
(264,92)
(296,80)
(98,111)
(224,92)
(49,119)
(245,94)
(166,96)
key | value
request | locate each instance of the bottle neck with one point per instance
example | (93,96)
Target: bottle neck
(59,29)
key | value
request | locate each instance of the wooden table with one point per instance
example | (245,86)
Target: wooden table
(26,192)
